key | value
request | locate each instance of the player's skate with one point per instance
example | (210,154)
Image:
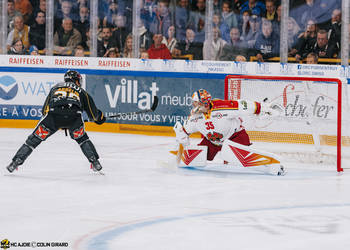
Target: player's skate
(95,165)
(14,164)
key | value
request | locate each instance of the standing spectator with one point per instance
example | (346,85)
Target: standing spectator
(158,50)
(267,43)
(65,11)
(311,58)
(25,7)
(145,36)
(197,21)
(120,33)
(66,38)
(213,48)
(255,6)
(190,47)
(334,28)
(182,14)
(11,14)
(271,13)
(305,41)
(293,32)
(170,41)
(322,48)
(17,48)
(254,31)
(83,23)
(106,43)
(224,29)
(112,11)
(234,47)
(20,31)
(127,51)
(228,16)
(37,31)
(162,20)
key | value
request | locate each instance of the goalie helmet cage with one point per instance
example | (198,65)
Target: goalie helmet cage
(311,124)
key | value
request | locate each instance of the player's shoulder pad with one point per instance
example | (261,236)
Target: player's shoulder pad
(218,104)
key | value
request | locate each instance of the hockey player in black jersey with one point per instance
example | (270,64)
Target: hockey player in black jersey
(63,109)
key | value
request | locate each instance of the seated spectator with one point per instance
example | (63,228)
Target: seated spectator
(213,48)
(66,38)
(256,7)
(223,27)
(311,58)
(190,47)
(244,25)
(307,11)
(40,7)
(240,58)
(83,23)
(144,54)
(37,31)
(271,13)
(25,7)
(147,11)
(322,48)
(182,14)
(254,31)
(120,32)
(79,51)
(217,4)
(162,19)
(228,16)
(20,31)
(17,48)
(196,21)
(127,51)
(33,50)
(11,13)
(112,11)
(158,50)
(106,43)
(170,40)
(305,41)
(233,48)
(112,52)
(267,43)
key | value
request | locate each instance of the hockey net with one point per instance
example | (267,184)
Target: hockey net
(313,128)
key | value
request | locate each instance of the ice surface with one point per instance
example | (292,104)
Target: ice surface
(142,203)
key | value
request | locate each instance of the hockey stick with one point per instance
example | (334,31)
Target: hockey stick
(152,109)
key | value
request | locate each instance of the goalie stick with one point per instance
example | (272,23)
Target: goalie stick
(152,109)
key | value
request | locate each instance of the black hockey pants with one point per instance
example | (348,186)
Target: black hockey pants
(49,124)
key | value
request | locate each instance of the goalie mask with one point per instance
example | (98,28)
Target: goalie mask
(201,101)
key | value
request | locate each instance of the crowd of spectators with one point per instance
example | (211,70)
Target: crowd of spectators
(240,29)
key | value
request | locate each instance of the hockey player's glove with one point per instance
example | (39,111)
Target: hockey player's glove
(181,135)
(101,119)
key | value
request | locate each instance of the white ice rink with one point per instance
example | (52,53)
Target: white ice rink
(142,204)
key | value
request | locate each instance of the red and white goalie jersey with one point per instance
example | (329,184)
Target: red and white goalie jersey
(222,120)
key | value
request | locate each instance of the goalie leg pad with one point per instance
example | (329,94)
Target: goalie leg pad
(194,156)
(246,156)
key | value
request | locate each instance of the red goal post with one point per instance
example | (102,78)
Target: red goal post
(312,113)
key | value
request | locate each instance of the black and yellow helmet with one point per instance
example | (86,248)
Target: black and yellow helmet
(72,76)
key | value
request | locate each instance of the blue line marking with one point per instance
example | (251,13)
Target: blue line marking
(100,242)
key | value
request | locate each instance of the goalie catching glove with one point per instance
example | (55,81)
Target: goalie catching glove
(271,109)
(181,135)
